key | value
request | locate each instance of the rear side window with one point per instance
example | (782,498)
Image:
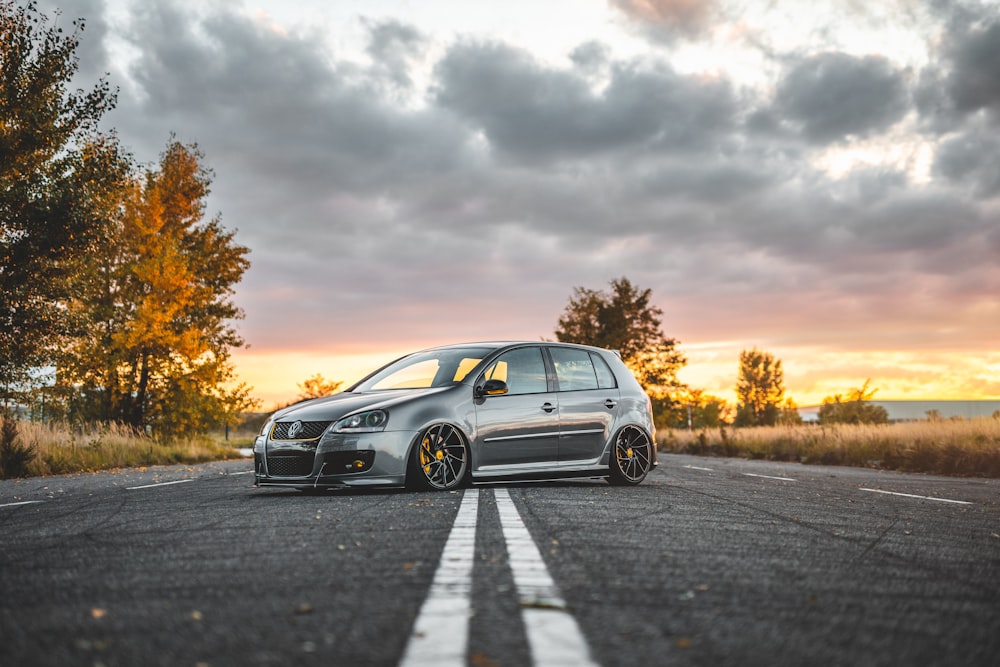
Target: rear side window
(574,369)
(605,378)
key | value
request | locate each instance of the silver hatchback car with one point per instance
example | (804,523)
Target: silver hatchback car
(449,416)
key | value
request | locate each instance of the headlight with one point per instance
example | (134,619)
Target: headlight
(266,428)
(363,422)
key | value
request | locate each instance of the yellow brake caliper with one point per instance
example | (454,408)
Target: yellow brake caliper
(425,459)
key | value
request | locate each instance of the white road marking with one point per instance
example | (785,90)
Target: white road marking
(700,468)
(910,495)
(150,486)
(783,479)
(23,502)
(440,634)
(554,636)
(242,472)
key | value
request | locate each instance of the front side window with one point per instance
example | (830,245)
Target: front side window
(522,369)
(574,369)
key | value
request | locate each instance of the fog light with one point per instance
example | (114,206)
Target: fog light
(358,465)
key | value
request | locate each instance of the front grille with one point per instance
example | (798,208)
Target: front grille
(290,465)
(309,430)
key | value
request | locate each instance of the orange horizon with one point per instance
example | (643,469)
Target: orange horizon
(810,374)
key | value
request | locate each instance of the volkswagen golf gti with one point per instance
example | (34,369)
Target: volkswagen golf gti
(453,415)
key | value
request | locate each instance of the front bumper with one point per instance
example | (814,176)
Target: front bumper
(341,460)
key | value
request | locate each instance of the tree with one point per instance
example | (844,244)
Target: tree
(54,167)
(317,387)
(155,351)
(697,410)
(789,415)
(854,409)
(760,389)
(624,320)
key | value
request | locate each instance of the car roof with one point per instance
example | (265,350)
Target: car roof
(499,344)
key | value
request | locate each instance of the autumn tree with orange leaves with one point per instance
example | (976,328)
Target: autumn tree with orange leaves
(156,309)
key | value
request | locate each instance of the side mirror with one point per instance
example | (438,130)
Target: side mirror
(492,388)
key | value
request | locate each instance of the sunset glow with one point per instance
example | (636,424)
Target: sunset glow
(818,180)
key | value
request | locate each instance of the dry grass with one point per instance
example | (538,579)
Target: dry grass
(60,449)
(961,447)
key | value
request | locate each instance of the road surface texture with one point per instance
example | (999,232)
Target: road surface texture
(709,562)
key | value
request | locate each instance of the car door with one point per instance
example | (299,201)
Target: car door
(521,426)
(588,403)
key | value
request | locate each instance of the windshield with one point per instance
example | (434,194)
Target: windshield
(424,370)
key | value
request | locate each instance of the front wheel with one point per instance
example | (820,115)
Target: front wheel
(631,457)
(440,459)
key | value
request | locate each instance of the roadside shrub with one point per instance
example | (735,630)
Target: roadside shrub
(14,455)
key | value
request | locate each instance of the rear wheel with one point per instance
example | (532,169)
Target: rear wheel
(440,459)
(631,457)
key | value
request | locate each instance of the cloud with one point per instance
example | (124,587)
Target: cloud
(433,187)
(973,82)
(530,111)
(394,47)
(666,19)
(832,96)
(964,79)
(971,158)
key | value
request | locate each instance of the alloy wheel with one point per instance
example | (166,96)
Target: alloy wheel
(442,457)
(631,458)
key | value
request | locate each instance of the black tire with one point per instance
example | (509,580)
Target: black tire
(439,460)
(631,457)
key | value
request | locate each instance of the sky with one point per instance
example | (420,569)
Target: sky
(817,180)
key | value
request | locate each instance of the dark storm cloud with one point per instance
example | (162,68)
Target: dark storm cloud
(531,111)
(965,77)
(832,96)
(974,80)
(972,158)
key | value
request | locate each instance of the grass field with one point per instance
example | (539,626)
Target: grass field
(55,448)
(961,447)
(968,447)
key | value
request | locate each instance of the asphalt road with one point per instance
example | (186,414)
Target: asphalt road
(709,562)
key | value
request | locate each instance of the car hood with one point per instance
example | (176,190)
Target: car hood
(337,406)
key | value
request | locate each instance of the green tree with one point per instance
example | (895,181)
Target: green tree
(156,349)
(54,169)
(317,386)
(854,409)
(760,389)
(624,319)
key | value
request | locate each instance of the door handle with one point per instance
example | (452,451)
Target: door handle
(610,404)
(548,407)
